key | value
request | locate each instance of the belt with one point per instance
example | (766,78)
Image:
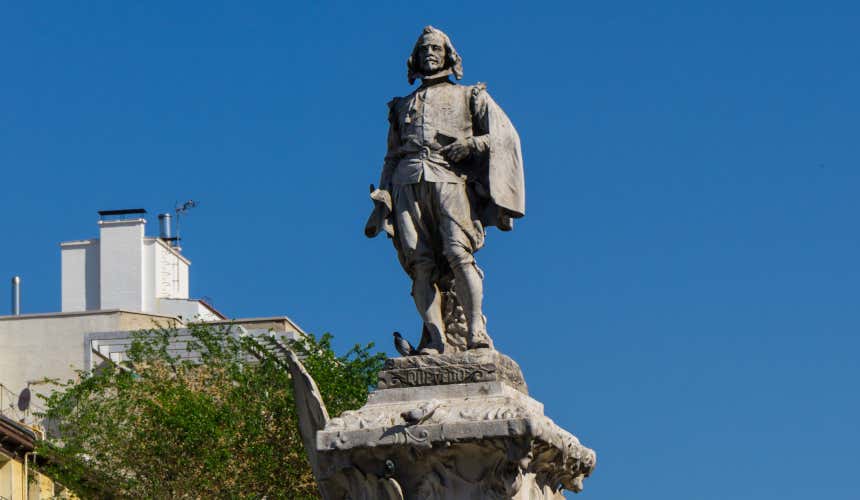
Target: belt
(424,153)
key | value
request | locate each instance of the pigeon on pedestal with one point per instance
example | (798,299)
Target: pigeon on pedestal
(402,345)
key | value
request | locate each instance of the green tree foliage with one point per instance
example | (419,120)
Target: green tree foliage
(225,425)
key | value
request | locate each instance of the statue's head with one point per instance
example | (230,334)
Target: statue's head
(433,54)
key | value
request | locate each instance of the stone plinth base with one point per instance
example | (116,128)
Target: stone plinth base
(482,439)
(479,365)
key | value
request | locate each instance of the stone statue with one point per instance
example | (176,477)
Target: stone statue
(453,168)
(457,422)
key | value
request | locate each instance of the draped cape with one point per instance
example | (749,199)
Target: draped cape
(499,181)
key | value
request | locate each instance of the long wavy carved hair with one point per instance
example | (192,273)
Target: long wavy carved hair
(453,61)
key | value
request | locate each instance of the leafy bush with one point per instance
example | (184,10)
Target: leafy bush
(223,425)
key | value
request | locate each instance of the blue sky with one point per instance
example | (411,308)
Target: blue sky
(682,293)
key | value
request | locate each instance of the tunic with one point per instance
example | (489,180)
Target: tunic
(433,217)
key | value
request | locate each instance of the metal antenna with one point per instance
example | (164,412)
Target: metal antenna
(185,207)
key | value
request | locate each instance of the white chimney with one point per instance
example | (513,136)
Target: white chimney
(121,264)
(123,269)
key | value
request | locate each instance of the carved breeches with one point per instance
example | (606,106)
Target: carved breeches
(433,225)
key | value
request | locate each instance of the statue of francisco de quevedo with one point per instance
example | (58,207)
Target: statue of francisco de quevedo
(453,168)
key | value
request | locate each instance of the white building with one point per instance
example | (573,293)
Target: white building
(112,285)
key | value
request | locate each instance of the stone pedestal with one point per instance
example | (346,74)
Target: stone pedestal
(450,427)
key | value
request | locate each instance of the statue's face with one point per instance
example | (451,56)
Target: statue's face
(431,53)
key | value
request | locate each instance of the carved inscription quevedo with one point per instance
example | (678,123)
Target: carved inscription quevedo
(438,375)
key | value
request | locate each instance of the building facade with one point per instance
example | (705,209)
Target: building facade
(19,479)
(121,282)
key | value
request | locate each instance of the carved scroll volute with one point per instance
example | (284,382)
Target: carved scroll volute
(310,408)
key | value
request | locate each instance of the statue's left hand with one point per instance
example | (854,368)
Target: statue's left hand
(457,151)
